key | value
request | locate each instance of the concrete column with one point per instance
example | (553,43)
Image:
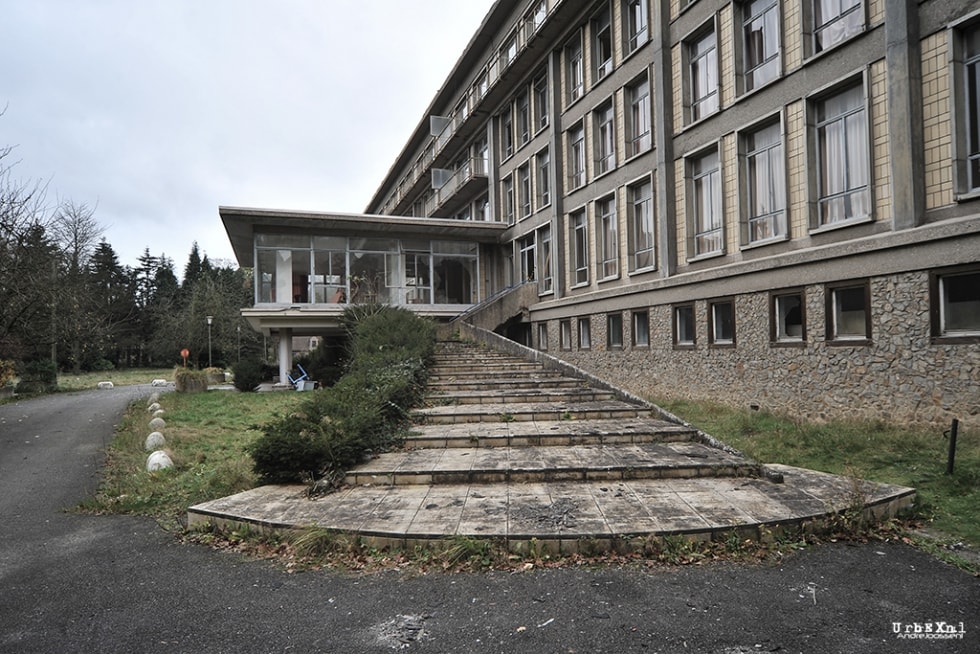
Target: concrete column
(903,57)
(285,354)
(662,94)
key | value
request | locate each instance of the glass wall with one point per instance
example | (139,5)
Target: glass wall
(293,269)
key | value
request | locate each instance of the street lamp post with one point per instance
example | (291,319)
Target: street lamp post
(239,329)
(210,320)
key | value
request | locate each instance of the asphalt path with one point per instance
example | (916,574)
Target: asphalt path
(71,582)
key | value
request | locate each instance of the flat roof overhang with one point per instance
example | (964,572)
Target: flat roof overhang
(242,223)
(324,319)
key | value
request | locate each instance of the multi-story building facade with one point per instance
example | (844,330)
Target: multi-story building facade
(768,203)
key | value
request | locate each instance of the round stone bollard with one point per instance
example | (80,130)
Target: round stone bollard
(158,413)
(154,441)
(157,424)
(153,407)
(158,460)
(154,397)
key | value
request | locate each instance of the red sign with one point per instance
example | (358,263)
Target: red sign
(185,353)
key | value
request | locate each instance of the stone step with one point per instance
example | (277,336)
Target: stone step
(519,396)
(563,517)
(476,367)
(499,412)
(502,374)
(548,433)
(546,464)
(502,383)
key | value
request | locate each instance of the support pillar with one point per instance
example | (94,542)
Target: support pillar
(285,354)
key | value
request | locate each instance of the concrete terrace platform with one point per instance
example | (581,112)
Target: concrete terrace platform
(563,465)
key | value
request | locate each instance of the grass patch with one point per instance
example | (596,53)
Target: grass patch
(871,450)
(206,433)
(122,377)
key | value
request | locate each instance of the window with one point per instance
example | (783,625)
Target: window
(722,322)
(607,232)
(834,21)
(955,299)
(543,182)
(580,248)
(543,336)
(565,334)
(524,190)
(788,317)
(760,43)
(684,331)
(535,18)
(584,334)
(842,150)
(636,24)
(574,74)
(703,76)
(523,118)
(705,205)
(541,101)
(614,331)
(576,157)
(507,195)
(506,134)
(605,140)
(765,184)
(545,273)
(849,313)
(602,51)
(640,235)
(526,255)
(509,51)
(638,117)
(968,103)
(641,329)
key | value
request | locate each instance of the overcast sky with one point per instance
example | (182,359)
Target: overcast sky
(158,111)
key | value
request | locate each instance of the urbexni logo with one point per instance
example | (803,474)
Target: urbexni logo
(937,630)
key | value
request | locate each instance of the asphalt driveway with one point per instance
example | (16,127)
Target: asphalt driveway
(81,583)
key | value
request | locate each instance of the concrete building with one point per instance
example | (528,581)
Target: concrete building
(769,203)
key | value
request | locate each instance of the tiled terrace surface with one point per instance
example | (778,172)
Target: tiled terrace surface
(557,463)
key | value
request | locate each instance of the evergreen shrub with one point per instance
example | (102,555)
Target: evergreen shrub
(38,377)
(249,373)
(364,412)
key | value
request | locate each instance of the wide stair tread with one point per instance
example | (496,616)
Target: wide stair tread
(542,464)
(520,395)
(548,432)
(506,412)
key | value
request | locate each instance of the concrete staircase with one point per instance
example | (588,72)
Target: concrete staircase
(508,449)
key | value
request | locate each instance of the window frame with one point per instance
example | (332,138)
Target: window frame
(527,257)
(745,68)
(577,156)
(578,226)
(584,332)
(540,108)
(601,38)
(819,195)
(506,134)
(636,25)
(677,311)
(614,331)
(814,31)
(698,216)
(565,335)
(633,226)
(776,218)
(832,293)
(777,322)
(698,107)
(508,201)
(640,318)
(938,302)
(714,306)
(604,122)
(525,204)
(574,54)
(545,261)
(966,125)
(542,186)
(607,238)
(542,336)
(638,116)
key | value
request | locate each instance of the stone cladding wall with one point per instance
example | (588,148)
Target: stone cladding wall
(901,376)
